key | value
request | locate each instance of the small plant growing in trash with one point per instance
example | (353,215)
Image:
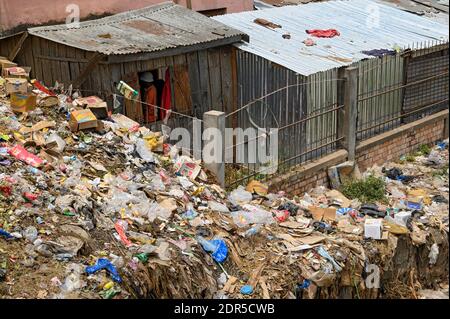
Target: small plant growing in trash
(424,149)
(369,190)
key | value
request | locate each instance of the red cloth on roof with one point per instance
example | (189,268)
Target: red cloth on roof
(330,33)
(166,101)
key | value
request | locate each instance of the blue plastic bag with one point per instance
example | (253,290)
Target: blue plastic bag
(217,247)
(442,145)
(103,263)
(4,233)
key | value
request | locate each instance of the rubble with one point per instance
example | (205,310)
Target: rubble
(107,210)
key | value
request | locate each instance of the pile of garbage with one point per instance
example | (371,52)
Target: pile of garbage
(93,205)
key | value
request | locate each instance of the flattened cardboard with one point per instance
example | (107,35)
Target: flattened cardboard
(328,214)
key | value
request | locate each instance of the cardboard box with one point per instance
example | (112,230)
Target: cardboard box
(22,72)
(95,104)
(373,228)
(5,63)
(22,103)
(82,120)
(16,85)
(125,123)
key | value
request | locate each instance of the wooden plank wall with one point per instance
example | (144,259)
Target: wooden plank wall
(202,80)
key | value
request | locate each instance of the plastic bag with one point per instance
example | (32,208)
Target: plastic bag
(103,263)
(217,247)
(144,152)
(156,210)
(434,254)
(240,196)
(218,207)
(30,233)
(255,216)
(59,141)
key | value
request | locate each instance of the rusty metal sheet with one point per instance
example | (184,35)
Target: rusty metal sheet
(155,28)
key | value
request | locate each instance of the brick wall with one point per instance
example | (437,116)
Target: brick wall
(304,177)
(299,184)
(403,144)
(380,149)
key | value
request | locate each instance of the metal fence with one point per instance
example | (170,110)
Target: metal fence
(395,90)
(392,90)
(303,109)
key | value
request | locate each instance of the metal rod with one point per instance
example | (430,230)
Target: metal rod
(285,161)
(403,86)
(403,115)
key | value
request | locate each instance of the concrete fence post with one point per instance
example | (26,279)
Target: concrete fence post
(349,114)
(214,144)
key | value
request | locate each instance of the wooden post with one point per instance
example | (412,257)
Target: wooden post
(214,140)
(90,66)
(18,47)
(350,111)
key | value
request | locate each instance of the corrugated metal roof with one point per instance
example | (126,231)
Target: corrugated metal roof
(351,18)
(154,28)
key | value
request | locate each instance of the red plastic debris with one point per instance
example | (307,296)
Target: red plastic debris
(31,197)
(23,155)
(282,215)
(330,33)
(6,190)
(42,88)
(122,235)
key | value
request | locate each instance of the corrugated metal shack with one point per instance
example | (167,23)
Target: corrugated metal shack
(97,55)
(306,78)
